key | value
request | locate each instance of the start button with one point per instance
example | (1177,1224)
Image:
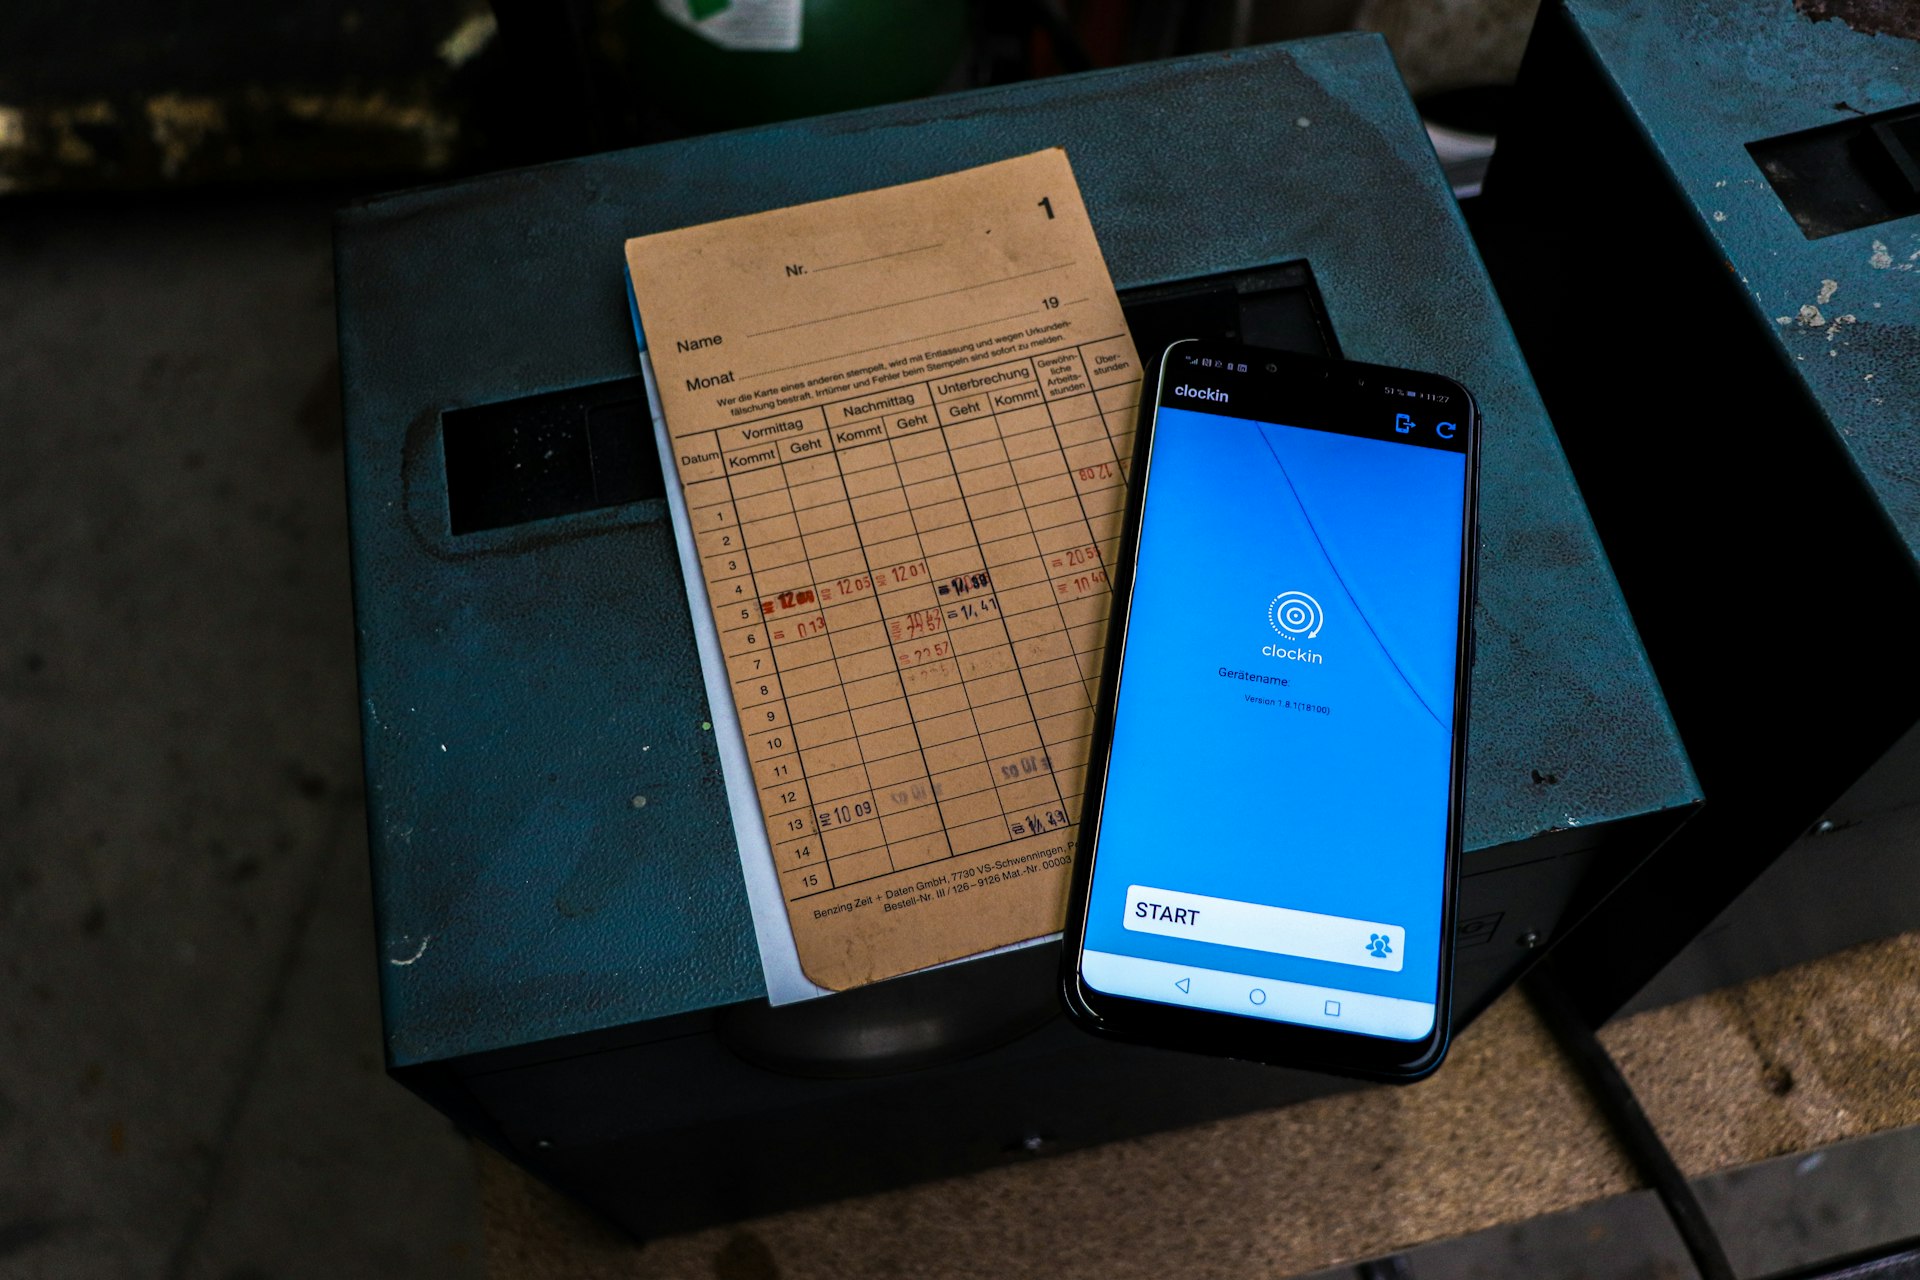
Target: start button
(1278,930)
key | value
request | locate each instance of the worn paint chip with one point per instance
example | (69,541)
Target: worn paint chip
(424,941)
(1881,259)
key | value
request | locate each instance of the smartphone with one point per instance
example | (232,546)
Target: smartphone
(1270,837)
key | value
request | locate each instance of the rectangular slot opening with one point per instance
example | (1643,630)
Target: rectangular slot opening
(555,454)
(1841,177)
(586,448)
(1276,306)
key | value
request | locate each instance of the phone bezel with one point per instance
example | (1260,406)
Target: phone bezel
(1212,1031)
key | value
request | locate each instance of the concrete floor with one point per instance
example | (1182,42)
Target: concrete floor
(1770,1217)
(190,1076)
(190,1083)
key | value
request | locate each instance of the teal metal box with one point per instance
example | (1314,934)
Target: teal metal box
(1701,225)
(575,977)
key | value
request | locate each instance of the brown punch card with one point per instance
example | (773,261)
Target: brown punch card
(902,421)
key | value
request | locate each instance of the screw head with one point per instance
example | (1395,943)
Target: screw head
(1529,940)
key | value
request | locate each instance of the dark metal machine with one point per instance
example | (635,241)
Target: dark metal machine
(573,974)
(1705,221)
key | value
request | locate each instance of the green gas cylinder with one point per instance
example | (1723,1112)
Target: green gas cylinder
(716,64)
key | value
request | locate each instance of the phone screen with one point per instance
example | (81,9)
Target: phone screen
(1273,836)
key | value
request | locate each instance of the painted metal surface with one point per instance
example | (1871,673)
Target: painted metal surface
(1703,78)
(522,687)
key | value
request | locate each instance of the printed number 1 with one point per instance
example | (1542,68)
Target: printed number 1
(1047,204)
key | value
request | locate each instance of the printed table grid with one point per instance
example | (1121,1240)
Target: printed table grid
(912,590)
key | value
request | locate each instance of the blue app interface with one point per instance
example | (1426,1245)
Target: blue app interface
(1272,841)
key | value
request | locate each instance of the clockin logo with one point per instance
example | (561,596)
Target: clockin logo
(1295,615)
